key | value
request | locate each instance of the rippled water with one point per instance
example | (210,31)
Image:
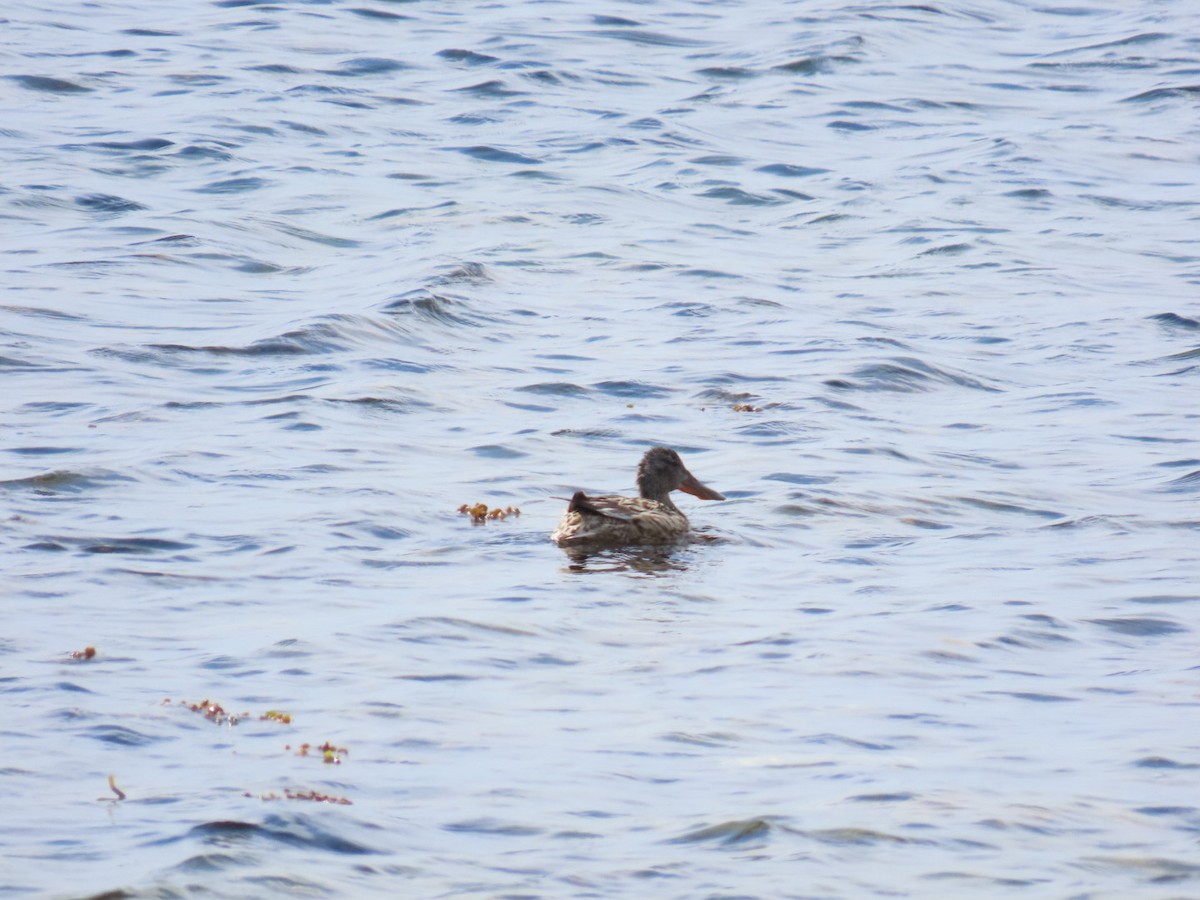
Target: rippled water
(913,285)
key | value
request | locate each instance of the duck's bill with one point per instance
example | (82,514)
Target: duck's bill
(696,489)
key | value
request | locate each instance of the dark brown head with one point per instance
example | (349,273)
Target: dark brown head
(662,471)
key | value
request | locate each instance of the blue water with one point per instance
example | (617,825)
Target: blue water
(913,285)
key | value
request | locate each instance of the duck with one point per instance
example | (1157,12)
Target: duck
(649,518)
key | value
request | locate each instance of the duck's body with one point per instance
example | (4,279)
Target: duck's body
(650,518)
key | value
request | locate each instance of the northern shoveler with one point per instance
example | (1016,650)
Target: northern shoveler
(650,518)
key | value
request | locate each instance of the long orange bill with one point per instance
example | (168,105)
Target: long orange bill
(696,489)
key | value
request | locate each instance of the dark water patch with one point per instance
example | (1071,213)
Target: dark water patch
(1030,194)
(492,827)
(367,65)
(12,362)
(556,389)
(1166,810)
(791,171)
(39,312)
(1165,599)
(946,250)
(828,738)
(47,85)
(149,32)
(882,798)
(495,154)
(619,21)
(858,837)
(737,197)
(732,833)
(491,90)
(906,375)
(497,451)
(296,831)
(1184,483)
(707,273)
(1179,92)
(1173,320)
(275,69)
(813,65)
(443,309)
(199,152)
(647,38)
(1003,507)
(845,125)
(718,159)
(121,736)
(1035,697)
(1163,762)
(467,57)
(107,203)
(41,451)
(233,186)
(134,546)
(1134,626)
(732,73)
(632,389)
(64,481)
(407,210)
(463,273)
(380,14)
(144,145)
(601,434)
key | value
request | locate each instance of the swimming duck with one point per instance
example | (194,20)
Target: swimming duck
(650,518)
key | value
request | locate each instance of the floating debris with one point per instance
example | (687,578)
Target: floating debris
(746,407)
(329,753)
(85,653)
(112,786)
(314,796)
(214,712)
(274,715)
(480,513)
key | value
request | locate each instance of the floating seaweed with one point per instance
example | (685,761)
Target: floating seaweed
(274,715)
(746,407)
(329,753)
(314,796)
(85,653)
(480,513)
(214,712)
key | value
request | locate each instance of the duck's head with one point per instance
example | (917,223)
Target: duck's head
(662,471)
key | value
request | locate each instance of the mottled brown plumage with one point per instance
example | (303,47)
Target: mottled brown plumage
(650,518)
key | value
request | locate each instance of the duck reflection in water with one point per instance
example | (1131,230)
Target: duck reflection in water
(608,521)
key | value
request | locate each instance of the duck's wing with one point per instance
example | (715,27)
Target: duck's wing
(605,507)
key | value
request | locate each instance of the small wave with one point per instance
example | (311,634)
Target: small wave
(648,38)
(146,144)
(233,186)
(906,375)
(737,197)
(368,65)
(733,832)
(791,171)
(495,154)
(295,831)
(64,481)
(107,203)
(1135,626)
(1183,92)
(494,89)
(468,57)
(48,85)
(1173,320)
